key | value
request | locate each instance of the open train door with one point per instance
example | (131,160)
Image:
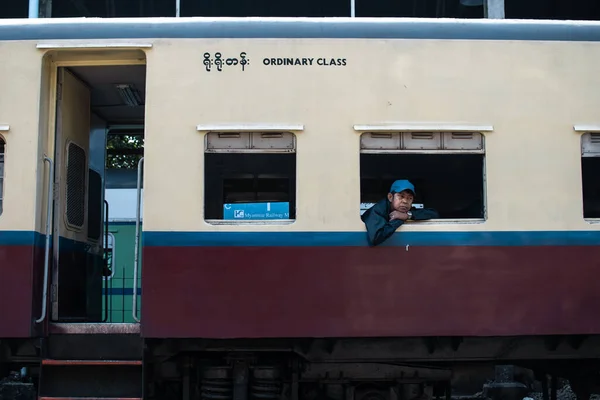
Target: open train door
(77,253)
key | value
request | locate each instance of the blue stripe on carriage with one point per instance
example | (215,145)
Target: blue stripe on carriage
(21,238)
(320,239)
(324,239)
(33,238)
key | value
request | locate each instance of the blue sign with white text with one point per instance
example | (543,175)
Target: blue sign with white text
(256,211)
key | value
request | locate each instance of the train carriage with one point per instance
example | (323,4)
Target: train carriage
(264,142)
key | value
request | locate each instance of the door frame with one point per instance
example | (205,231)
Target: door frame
(86,54)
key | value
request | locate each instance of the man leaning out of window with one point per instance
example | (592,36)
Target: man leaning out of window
(389,213)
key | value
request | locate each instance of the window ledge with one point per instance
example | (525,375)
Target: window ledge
(250,222)
(77,44)
(592,221)
(249,127)
(593,128)
(465,221)
(423,127)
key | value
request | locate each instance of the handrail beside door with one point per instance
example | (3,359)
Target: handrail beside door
(106,283)
(48,234)
(137,240)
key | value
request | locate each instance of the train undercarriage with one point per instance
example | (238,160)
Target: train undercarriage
(123,365)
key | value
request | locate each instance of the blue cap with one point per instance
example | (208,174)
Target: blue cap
(400,185)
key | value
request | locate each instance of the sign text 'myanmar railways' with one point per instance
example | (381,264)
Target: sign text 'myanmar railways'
(219,62)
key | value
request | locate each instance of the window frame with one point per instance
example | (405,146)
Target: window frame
(101,221)
(2,176)
(68,225)
(588,149)
(443,130)
(250,131)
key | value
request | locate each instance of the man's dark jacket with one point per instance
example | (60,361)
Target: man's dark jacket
(377,220)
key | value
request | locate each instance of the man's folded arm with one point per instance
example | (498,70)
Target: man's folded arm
(379,228)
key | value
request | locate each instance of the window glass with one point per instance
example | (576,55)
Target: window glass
(95,204)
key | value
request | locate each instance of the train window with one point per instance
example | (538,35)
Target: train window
(76,177)
(447,169)
(94,209)
(590,170)
(2,146)
(250,176)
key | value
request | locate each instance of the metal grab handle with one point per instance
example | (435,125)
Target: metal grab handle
(48,233)
(137,240)
(106,228)
(105,281)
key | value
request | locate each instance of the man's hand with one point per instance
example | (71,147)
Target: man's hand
(398,215)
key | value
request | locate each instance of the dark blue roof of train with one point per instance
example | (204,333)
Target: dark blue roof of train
(339,28)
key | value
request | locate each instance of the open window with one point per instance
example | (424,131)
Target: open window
(250,176)
(76,186)
(94,208)
(447,169)
(2,147)
(590,171)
